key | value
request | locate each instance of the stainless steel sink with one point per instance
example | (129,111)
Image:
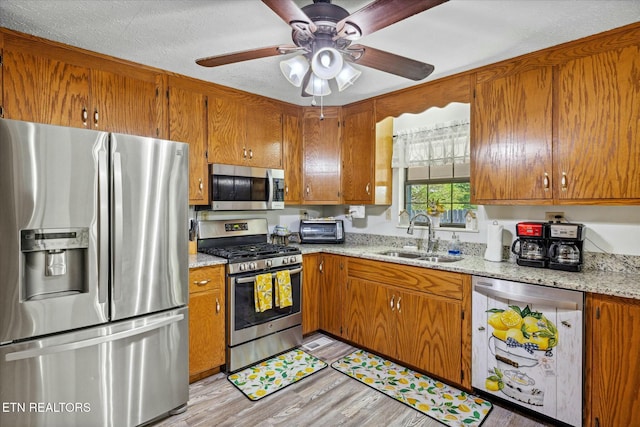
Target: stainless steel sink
(396,254)
(421,256)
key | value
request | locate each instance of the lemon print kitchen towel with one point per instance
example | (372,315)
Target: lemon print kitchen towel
(262,292)
(283,289)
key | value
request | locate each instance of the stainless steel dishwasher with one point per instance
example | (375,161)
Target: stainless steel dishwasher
(528,346)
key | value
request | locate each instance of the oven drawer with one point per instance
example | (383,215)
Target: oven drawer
(206,278)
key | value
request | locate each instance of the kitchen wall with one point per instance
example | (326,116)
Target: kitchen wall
(610,229)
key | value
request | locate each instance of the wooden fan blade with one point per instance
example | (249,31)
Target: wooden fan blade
(380,14)
(290,13)
(246,55)
(390,62)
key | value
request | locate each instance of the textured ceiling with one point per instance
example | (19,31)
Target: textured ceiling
(455,36)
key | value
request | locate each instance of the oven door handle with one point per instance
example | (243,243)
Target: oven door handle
(253,278)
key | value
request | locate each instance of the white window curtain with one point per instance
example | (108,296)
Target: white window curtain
(443,144)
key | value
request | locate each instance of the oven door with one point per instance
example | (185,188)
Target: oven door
(245,323)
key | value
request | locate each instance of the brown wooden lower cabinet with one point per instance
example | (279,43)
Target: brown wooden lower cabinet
(206,321)
(418,316)
(310,297)
(613,372)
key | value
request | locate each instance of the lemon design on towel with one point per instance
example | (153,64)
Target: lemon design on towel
(283,289)
(262,292)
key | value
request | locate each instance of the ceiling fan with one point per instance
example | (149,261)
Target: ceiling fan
(322,36)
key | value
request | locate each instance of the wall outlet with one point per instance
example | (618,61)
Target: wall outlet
(554,216)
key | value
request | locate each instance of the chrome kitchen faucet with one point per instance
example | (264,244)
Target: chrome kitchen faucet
(431,234)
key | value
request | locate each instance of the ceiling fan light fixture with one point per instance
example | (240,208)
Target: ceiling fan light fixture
(326,63)
(347,76)
(318,86)
(294,69)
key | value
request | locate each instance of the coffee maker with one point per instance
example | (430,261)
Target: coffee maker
(531,245)
(565,246)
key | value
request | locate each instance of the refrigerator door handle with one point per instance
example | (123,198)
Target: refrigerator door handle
(103,226)
(117,224)
(43,351)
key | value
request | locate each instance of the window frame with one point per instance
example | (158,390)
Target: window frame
(404,187)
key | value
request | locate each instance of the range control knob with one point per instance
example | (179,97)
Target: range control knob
(252,265)
(292,260)
(285,261)
(268,263)
(242,267)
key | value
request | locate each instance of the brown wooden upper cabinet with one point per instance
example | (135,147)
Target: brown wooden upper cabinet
(47,83)
(560,126)
(292,154)
(512,142)
(598,155)
(245,130)
(188,123)
(366,156)
(321,156)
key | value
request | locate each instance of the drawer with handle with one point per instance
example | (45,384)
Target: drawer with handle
(206,278)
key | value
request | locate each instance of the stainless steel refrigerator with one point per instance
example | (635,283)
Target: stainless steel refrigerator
(93,277)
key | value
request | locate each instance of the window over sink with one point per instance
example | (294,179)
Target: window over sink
(433,163)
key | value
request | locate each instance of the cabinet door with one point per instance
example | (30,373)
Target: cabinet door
(292,154)
(332,284)
(264,135)
(598,155)
(227,130)
(125,103)
(512,145)
(40,89)
(358,148)
(428,330)
(321,156)
(370,316)
(310,297)
(613,380)
(206,320)
(188,123)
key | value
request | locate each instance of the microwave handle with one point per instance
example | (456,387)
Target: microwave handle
(270,188)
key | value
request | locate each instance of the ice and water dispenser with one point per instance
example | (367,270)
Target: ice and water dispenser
(54,262)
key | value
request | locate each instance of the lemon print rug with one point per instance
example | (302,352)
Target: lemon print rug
(434,399)
(276,373)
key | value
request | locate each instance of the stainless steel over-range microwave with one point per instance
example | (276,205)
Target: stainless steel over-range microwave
(246,188)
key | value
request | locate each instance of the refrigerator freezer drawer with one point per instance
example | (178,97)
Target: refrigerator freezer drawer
(121,374)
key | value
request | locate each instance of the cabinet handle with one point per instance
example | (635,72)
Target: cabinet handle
(200,184)
(393,303)
(96,116)
(244,152)
(250,153)
(286,190)
(201,282)
(563,181)
(217,306)
(546,182)
(85,116)
(368,188)
(308,190)
(398,304)
(321,267)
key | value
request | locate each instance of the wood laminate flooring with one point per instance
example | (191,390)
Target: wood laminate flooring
(326,398)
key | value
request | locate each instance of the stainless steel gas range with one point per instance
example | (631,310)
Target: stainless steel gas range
(254,333)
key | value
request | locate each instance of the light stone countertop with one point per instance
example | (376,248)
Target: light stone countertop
(600,282)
